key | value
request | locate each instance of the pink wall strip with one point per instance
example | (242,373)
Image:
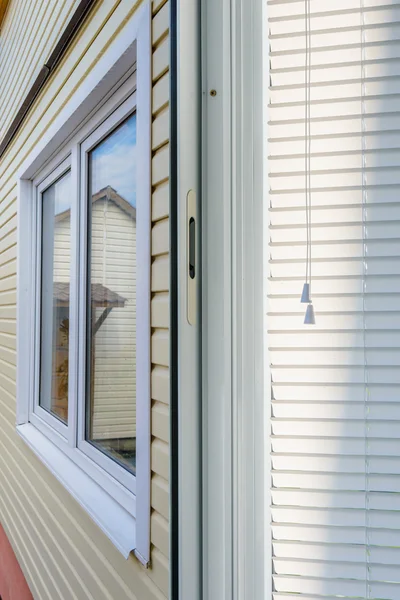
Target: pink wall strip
(13,585)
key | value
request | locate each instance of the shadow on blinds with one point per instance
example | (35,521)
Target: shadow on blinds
(336,387)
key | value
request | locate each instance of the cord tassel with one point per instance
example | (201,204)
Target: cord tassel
(305,296)
(309,319)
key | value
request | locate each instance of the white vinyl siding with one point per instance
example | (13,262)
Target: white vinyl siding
(336,385)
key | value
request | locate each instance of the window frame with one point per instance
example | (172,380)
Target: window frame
(123,112)
(116,499)
(76,162)
(38,415)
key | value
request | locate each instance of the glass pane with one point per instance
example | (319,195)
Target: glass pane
(111,358)
(55,278)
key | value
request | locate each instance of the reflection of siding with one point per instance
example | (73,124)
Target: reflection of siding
(62,552)
(62,249)
(114,266)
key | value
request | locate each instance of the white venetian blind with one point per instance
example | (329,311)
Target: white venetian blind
(336,385)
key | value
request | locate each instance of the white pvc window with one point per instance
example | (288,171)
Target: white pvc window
(83,307)
(110,267)
(87,391)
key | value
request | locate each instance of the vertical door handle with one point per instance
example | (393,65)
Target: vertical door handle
(191,221)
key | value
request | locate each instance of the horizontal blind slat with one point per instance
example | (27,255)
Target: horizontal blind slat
(344,587)
(284,8)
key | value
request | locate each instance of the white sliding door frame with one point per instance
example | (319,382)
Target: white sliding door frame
(216,302)
(236,557)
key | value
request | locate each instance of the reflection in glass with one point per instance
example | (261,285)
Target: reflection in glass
(111,343)
(55,278)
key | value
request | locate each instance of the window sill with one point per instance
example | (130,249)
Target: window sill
(116,522)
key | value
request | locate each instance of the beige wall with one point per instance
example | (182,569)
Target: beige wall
(62,552)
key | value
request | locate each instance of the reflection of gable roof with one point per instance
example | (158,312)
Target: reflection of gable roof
(100,295)
(107,193)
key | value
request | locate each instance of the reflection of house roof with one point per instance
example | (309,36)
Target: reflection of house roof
(101,296)
(107,193)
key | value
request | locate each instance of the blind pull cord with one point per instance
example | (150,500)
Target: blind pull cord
(306,294)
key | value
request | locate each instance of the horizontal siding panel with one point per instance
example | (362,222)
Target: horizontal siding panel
(160,274)
(8,298)
(159,570)
(157,4)
(161,93)
(160,238)
(7,369)
(160,384)
(159,495)
(8,270)
(160,311)
(8,311)
(8,242)
(160,421)
(160,347)
(8,341)
(161,59)
(160,24)
(160,166)
(160,533)
(160,202)
(160,129)
(8,327)
(160,458)
(9,356)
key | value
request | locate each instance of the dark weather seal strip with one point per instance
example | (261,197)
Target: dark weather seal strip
(174,423)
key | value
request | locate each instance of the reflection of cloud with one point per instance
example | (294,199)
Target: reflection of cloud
(114,162)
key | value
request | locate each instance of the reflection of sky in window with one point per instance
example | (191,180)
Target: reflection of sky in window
(114,162)
(62,193)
